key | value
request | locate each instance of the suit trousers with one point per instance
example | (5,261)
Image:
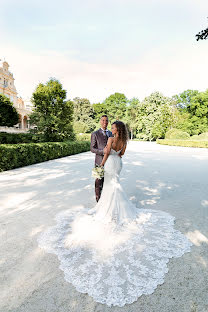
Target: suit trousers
(98,188)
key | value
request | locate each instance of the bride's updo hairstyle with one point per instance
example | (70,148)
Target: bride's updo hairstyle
(122,131)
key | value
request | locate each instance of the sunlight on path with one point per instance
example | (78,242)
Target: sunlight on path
(173,179)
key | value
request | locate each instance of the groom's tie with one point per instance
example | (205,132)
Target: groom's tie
(106,133)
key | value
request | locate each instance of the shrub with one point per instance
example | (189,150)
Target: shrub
(80,127)
(185,143)
(194,137)
(15,138)
(200,137)
(83,137)
(176,134)
(19,155)
(142,137)
(203,136)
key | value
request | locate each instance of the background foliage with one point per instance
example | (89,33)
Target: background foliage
(53,114)
(59,119)
(8,113)
(19,155)
(152,117)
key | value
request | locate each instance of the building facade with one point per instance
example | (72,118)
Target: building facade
(7,88)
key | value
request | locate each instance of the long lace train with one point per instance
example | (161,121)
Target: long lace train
(115,268)
(119,252)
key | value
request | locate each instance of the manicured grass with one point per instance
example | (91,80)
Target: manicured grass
(186,143)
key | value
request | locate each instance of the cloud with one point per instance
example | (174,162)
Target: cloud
(169,69)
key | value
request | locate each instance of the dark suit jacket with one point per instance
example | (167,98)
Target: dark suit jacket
(98,142)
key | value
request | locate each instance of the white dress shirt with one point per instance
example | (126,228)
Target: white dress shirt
(105,132)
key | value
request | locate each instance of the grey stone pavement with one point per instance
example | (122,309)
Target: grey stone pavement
(173,179)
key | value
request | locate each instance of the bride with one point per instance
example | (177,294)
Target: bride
(114,252)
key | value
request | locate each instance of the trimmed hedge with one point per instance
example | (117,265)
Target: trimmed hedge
(200,137)
(20,155)
(176,134)
(185,143)
(194,137)
(203,136)
(16,138)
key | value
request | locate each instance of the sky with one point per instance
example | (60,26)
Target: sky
(96,48)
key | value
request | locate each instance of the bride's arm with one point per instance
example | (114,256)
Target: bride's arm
(108,149)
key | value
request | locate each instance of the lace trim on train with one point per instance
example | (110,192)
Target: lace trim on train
(129,262)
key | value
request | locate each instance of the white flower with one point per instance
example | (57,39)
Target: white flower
(98,172)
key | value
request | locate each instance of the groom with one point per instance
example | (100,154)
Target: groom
(99,140)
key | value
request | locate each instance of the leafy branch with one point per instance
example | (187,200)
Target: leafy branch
(202,35)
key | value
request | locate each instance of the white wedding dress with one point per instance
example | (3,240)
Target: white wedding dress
(114,252)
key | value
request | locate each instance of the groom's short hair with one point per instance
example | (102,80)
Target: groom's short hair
(103,116)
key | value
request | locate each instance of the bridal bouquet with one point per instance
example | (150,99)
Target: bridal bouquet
(98,172)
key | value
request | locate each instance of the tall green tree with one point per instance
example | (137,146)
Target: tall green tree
(193,111)
(198,110)
(116,106)
(156,114)
(8,113)
(83,115)
(131,116)
(183,121)
(99,109)
(202,35)
(53,114)
(183,100)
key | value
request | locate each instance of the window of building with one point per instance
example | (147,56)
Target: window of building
(5,82)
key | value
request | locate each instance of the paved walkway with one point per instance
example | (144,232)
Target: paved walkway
(173,179)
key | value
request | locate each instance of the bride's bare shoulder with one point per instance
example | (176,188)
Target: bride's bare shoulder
(110,140)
